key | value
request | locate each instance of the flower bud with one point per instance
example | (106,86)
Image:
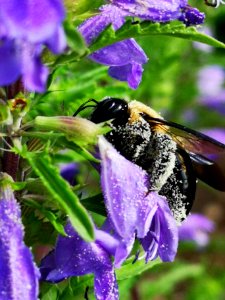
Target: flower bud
(77,129)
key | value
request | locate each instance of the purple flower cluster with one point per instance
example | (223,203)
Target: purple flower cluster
(125,58)
(133,214)
(25,28)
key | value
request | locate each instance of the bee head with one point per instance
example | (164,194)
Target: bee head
(110,108)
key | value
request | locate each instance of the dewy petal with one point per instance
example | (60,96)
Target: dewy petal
(10,62)
(125,58)
(19,276)
(132,209)
(154,10)
(162,238)
(93,26)
(33,20)
(196,228)
(125,186)
(132,73)
(192,16)
(120,54)
(75,257)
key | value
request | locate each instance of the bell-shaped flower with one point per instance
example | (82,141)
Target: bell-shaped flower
(161,11)
(25,28)
(73,256)
(196,228)
(19,275)
(133,209)
(125,58)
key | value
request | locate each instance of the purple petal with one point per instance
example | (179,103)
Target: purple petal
(196,228)
(57,41)
(105,285)
(10,62)
(125,58)
(69,171)
(33,20)
(120,54)
(162,238)
(75,257)
(154,10)
(19,276)
(132,73)
(192,16)
(125,186)
(92,27)
(35,74)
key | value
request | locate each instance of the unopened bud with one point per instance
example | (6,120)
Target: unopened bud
(79,130)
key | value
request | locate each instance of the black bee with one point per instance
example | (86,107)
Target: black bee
(173,155)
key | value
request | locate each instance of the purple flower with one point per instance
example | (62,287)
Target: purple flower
(196,228)
(191,16)
(133,210)
(19,275)
(125,58)
(73,256)
(210,83)
(24,29)
(161,11)
(210,80)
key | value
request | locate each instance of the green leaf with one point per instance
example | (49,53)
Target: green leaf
(146,28)
(130,269)
(62,193)
(75,40)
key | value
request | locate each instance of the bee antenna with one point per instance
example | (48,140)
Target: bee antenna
(84,106)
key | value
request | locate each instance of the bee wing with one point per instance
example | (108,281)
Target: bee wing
(190,140)
(207,154)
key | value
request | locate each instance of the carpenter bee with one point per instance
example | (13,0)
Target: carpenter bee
(173,155)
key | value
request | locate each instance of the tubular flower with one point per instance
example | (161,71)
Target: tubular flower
(75,257)
(133,211)
(196,228)
(24,29)
(161,11)
(125,58)
(19,275)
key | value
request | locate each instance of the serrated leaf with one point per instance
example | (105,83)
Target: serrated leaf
(62,193)
(146,28)
(130,269)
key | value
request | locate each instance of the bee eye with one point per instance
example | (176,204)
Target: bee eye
(110,108)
